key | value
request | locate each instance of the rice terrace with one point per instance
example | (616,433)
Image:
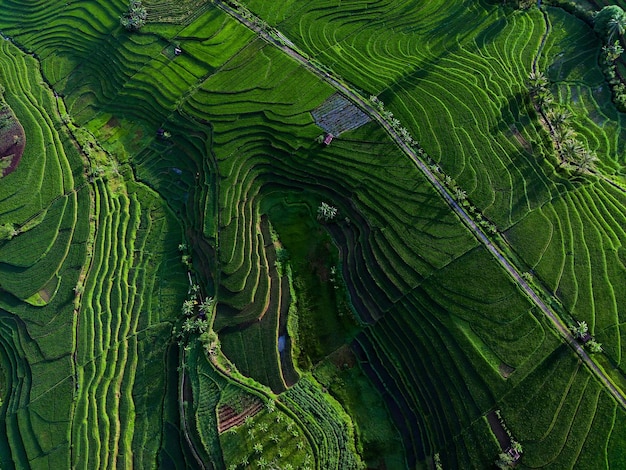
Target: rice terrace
(324,235)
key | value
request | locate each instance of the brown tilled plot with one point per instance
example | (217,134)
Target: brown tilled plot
(12,141)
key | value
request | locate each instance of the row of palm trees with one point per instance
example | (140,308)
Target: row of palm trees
(571,151)
(458,193)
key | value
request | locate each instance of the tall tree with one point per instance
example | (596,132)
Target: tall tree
(609,21)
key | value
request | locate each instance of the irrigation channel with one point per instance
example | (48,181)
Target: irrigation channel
(287,47)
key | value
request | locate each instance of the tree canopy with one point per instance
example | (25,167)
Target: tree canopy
(609,21)
(135,17)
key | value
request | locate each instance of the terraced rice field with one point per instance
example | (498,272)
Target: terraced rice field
(443,334)
(79,351)
(39,267)
(470,87)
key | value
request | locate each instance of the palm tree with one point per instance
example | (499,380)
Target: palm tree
(564,133)
(558,118)
(571,150)
(537,82)
(206,305)
(459,194)
(189,325)
(545,99)
(617,24)
(326,212)
(581,329)
(188,307)
(586,161)
(258,447)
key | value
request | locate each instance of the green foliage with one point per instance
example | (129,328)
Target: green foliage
(7,231)
(610,22)
(135,18)
(327,423)
(326,212)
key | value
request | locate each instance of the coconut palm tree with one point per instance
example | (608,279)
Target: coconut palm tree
(206,305)
(581,329)
(558,118)
(544,99)
(571,150)
(586,161)
(564,133)
(188,307)
(326,212)
(616,25)
(189,325)
(460,194)
(537,82)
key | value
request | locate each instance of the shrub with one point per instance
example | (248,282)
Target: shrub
(7,231)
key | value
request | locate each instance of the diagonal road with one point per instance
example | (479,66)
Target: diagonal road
(365,106)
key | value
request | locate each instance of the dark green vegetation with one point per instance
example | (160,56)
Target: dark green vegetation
(383,335)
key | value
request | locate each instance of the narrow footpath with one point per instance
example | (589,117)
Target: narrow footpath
(287,48)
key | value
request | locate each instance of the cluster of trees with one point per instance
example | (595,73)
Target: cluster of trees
(136,16)
(581,332)
(571,151)
(520,4)
(248,15)
(610,24)
(394,122)
(255,430)
(196,310)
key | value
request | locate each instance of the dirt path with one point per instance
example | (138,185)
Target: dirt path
(477,231)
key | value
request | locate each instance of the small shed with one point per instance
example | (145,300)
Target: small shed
(513,453)
(328,139)
(177,50)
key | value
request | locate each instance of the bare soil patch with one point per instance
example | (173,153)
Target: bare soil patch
(343,357)
(228,417)
(12,141)
(505,370)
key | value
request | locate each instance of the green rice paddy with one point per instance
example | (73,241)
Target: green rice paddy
(190,167)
